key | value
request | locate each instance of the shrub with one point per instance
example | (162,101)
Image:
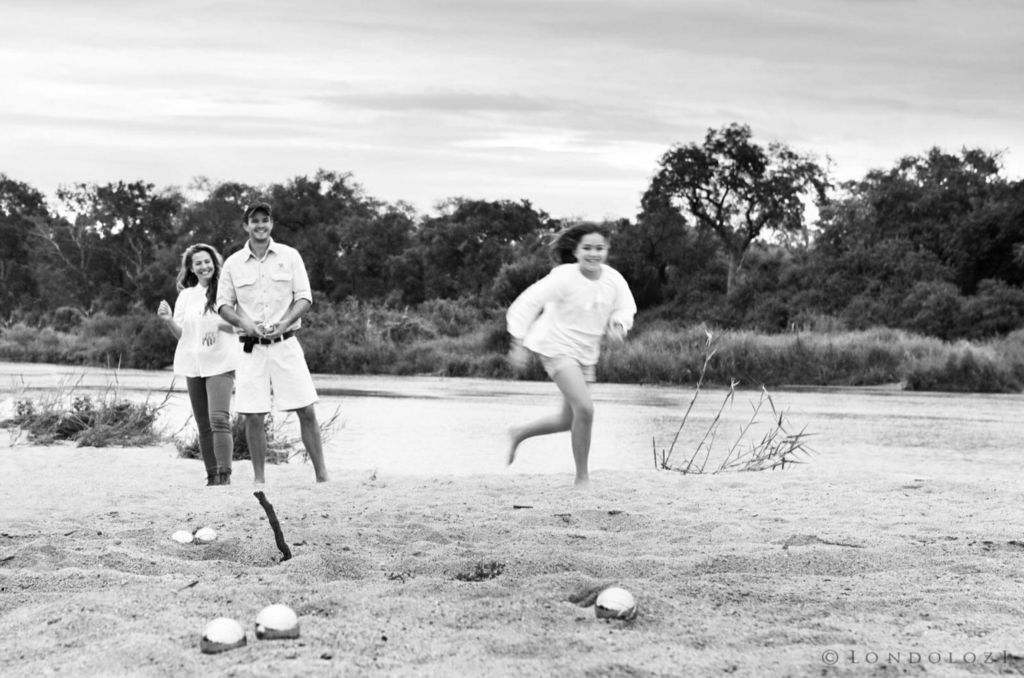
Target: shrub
(138,340)
(280,447)
(452,318)
(107,420)
(964,368)
(995,309)
(23,343)
(67,318)
(933,308)
(513,278)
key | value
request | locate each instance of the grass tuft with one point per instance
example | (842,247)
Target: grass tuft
(778,447)
(105,420)
(280,446)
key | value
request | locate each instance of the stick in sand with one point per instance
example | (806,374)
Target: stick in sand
(276,526)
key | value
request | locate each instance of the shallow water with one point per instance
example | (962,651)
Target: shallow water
(431,425)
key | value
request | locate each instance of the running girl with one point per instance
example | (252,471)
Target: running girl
(562,318)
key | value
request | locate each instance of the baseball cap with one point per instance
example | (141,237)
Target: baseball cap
(258,206)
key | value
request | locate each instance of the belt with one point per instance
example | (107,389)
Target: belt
(249,342)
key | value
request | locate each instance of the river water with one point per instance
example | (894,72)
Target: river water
(432,425)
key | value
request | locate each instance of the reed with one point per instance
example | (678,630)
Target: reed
(780,445)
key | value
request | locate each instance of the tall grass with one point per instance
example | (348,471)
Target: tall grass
(666,355)
(863,358)
(65,413)
(456,339)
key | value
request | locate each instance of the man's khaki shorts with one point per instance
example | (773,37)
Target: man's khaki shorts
(279,369)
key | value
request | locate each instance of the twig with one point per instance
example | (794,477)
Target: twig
(711,430)
(703,371)
(743,432)
(187,586)
(282,545)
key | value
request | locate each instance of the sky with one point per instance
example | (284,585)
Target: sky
(566,103)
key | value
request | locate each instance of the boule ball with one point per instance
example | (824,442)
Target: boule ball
(615,603)
(220,635)
(205,535)
(277,621)
(182,537)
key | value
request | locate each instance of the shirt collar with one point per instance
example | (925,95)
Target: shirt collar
(270,248)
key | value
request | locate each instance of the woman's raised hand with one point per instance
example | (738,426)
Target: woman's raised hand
(164,312)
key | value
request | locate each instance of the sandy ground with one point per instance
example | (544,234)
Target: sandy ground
(804,572)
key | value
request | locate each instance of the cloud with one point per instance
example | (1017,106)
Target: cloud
(441,101)
(544,96)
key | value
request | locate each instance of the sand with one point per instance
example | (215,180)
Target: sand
(803,572)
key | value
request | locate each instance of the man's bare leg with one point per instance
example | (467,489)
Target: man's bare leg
(256,437)
(310,428)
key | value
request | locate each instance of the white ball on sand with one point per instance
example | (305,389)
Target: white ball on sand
(615,603)
(277,621)
(182,537)
(220,635)
(205,535)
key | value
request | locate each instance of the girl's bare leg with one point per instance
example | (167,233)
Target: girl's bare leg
(577,396)
(553,423)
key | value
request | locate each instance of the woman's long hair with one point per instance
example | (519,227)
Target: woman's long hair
(563,245)
(186,278)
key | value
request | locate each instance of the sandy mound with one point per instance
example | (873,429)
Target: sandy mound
(737,574)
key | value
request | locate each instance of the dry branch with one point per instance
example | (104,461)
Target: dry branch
(282,545)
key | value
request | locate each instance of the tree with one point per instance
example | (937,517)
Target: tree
(21,208)
(956,207)
(216,217)
(371,248)
(463,249)
(648,251)
(737,189)
(311,214)
(110,245)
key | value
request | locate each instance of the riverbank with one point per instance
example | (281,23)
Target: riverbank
(367,340)
(744,574)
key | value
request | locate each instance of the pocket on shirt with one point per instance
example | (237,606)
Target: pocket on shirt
(281,283)
(245,291)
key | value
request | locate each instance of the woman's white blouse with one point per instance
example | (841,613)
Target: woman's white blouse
(191,357)
(574,312)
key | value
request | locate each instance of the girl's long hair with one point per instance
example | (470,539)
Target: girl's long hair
(186,278)
(563,245)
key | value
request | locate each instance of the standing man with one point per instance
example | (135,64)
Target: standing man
(263,291)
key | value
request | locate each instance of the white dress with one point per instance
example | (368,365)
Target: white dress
(566,313)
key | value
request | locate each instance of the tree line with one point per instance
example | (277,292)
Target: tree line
(730,232)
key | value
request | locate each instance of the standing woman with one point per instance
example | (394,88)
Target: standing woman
(206,356)
(563,318)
